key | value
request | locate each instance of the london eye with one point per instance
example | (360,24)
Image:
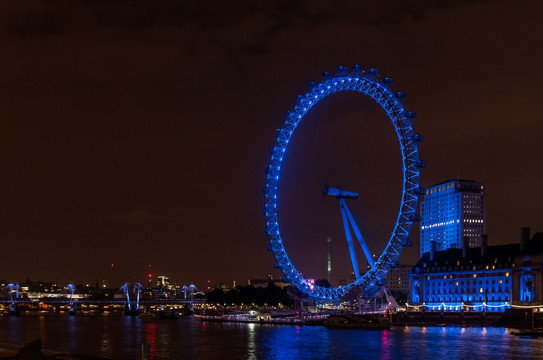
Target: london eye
(364,283)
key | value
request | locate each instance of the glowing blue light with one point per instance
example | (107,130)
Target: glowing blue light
(366,85)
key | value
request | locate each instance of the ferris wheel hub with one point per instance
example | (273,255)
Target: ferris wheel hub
(338,193)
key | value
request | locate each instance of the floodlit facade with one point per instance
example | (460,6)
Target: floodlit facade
(451,211)
(488,278)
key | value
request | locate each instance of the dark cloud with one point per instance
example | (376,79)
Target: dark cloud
(36,23)
(170,108)
(135,216)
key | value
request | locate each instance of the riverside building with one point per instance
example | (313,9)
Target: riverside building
(397,281)
(452,211)
(487,278)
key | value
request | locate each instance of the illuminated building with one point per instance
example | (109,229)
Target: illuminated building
(162,281)
(489,278)
(528,273)
(452,211)
(397,281)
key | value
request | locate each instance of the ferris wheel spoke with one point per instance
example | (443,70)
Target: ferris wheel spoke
(358,233)
(349,238)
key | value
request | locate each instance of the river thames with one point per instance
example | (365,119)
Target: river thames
(120,337)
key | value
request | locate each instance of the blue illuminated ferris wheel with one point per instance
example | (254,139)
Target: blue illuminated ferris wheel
(367,284)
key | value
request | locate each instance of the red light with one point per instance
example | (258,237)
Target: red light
(150,276)
(209,281)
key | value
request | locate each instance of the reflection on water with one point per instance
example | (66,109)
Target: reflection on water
(385,350)
(150,337)
(251,343)
(120,337)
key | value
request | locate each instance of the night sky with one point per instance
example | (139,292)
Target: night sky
(136,133)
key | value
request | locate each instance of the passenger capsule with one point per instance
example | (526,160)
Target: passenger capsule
(421,164)
(420,190)
(410,115)
(387,81)
(373,73)
(342,70)
(400,95)
(357,68)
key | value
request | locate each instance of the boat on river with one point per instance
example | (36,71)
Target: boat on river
(265,317)
(167,314)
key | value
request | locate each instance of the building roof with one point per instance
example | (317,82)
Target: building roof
(535,244)
(454,180)
(500,254)
(497,254)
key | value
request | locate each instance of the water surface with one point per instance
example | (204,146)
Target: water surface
(120,337)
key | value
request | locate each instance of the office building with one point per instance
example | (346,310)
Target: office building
(397,281)
(452,211)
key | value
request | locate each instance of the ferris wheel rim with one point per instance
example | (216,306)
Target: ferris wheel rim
(366,83)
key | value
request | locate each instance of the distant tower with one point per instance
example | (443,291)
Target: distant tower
(451,211)
(329,241)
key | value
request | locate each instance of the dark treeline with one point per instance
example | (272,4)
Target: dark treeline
(272,295)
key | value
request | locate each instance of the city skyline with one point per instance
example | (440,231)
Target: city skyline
(136,135)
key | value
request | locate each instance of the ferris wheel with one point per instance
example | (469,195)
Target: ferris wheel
(378,89)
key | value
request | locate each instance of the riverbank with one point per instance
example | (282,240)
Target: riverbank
(511,318)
